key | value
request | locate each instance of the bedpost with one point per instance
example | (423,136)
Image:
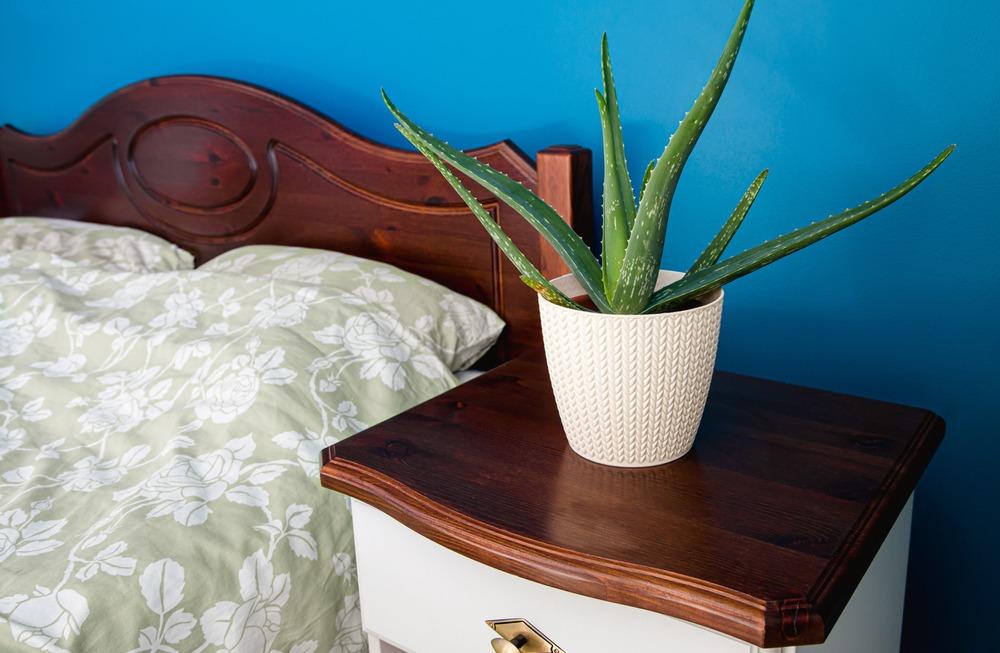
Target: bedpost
(5,210)
(565,182)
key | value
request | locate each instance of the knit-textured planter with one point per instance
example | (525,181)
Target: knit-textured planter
(630,388)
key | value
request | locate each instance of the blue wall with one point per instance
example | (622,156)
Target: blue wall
(840,99)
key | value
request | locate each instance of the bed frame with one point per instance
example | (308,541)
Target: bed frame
(212,164)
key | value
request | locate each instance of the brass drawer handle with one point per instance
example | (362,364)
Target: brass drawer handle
(519,636)
(501,645)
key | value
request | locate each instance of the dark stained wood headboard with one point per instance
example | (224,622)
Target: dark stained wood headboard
(212,164)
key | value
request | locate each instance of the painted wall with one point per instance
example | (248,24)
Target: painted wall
(840,99)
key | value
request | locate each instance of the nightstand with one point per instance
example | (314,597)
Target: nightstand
(786,526)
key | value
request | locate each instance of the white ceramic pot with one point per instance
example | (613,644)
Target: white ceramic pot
(630,388)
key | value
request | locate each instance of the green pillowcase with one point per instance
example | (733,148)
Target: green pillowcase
(459,329)
(68,243)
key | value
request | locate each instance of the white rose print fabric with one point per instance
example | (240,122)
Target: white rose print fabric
(71,242)
(160,442)
(457,329)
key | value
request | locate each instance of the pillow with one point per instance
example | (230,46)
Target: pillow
(459,329)
(70,243)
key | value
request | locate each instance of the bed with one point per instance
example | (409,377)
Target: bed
(160,431)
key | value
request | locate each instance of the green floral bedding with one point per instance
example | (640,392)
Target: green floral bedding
(456,328)
(71,242)
(160,436)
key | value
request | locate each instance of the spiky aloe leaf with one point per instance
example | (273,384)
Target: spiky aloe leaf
(567,243)
(699,283)
(721,240)
(620,167)
(551,293)
(530,275)
(616,223)
(645,244)
(619,200)
(645,178)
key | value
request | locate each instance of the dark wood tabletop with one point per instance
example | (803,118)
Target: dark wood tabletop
(762,532)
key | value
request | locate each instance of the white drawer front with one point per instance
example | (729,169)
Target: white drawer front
(424,598)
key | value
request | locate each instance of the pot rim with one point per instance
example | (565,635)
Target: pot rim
(718,293)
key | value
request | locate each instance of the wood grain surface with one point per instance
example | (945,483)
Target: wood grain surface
(762,532)
(212,164)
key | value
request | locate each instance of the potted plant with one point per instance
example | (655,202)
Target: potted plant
(631,375)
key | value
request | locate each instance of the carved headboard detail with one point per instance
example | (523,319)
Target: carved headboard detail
(212,164)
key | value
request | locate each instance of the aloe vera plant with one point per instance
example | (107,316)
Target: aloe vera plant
(633,234)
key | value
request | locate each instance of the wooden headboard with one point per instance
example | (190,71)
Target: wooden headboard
(212,164)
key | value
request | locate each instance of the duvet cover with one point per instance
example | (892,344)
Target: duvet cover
(160,439)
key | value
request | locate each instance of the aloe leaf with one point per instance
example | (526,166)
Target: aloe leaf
(645,244)
(645,178)
(551,293)
(617,154)
(721,240)
(566,242)
(616,221)
(699,283)
(530,275)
